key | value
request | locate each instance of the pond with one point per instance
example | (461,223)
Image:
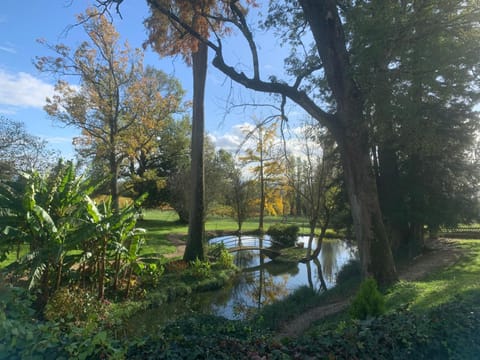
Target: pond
(262,281)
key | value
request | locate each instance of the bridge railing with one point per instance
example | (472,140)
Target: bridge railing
(247,241)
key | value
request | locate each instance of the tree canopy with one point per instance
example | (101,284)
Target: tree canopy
(119,104)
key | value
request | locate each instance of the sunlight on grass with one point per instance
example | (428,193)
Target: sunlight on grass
(458,281)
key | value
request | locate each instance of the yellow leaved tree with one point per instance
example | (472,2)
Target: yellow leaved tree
(118,104)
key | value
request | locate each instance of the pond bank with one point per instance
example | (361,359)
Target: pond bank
(439,254)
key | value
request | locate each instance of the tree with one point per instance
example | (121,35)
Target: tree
(240,196)
(152,170)
(168,39)
(119,104)
(327,72)
(265,162)
(328,68)
(316,182)
(420,109)
(21,151)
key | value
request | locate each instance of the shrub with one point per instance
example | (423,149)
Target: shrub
(199,269)
(283,235)
(368,302)
(219,254)
(74,305)
(151,274)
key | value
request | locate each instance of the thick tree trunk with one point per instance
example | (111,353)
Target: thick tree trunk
(351,135)
(196,226)
(388,177)
(374,248)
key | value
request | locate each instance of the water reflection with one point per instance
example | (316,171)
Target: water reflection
(264,281)
(261,282)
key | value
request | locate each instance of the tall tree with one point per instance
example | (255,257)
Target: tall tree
(418,76)
(240,197)
(327,71)
(264,161)
(169,39)
(324,83)
(119,104)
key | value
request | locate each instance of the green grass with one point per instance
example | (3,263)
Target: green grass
(162,225)
(455,283)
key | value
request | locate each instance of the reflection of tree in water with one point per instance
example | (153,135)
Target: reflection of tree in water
(320,279)
(244,259)
(260,288)
(329,253)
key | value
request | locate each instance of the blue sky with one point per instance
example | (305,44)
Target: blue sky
(23,89)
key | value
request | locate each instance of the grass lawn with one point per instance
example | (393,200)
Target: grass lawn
(162,223)
(458,282)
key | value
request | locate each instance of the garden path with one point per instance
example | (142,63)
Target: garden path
(438,254)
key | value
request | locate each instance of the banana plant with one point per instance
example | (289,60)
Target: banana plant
(108,230)
(42,211)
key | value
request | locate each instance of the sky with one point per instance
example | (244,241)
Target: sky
(23,88)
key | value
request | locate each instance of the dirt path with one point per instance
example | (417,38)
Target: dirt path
(176,239)
(440,253)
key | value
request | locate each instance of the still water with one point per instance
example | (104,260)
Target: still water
(262,281)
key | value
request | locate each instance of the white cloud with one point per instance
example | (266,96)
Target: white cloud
(57,139)
(295,141)
(8,49)
(23,90)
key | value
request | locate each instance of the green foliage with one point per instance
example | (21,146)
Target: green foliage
(201,336)
(199,269)
(53,214)
(220,255)
(44,211)
(23,337)
(446,332)
(350,271)
(150,275)
(283,235)
(368,302)
(74,305)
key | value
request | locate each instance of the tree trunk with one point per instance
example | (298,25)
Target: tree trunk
(196,226)
(323,284)
(351,135)
(101,270)
(262,185)
(114,183)
(375,253)
(388,177)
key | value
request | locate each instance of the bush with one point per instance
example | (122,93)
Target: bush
(74,305)
(218,253)
(368,302)
(150,275)
(199,269)
(283,235)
